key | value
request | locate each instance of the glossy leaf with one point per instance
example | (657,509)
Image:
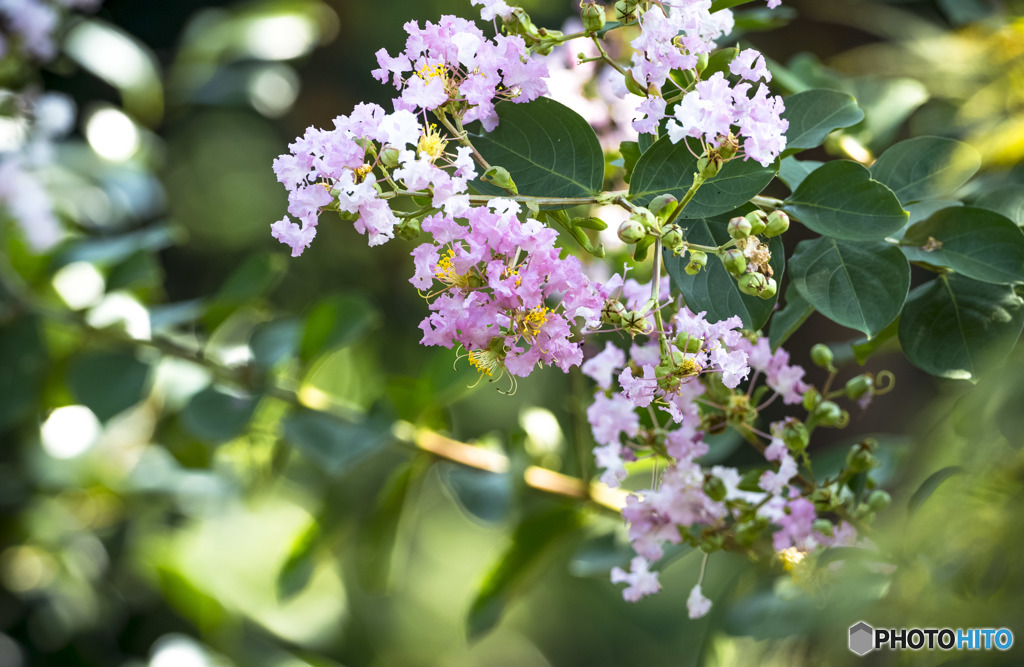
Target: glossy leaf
(1008,200)
(840,199)
(714,290)
(549,150)
(792,172)
(926,167)
(108,382)
(532,539)
(216,416)
(813,114)
(929,486)
(979,244)
(481,494)
(379,531)
(861,285)
(668,168)
(333,443)
(956,327)
(334,322)
(790,318)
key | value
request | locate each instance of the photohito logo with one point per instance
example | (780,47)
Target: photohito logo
(864,638)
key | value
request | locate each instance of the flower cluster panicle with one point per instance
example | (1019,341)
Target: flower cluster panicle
(453,63)
(500,289)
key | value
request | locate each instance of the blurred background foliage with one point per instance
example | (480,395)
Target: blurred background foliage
(214,455)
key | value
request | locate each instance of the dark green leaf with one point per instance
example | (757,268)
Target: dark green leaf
(142,269)
(23,359)
(863,349)
(785,322)
(929,486)
(108,382)
(548,148)
(379,531)
(645,141)
(597,555)
(533,538)
(956,327)
(714,290)
(1007,200)
(273,342)
(792,172)
(111,250)
(719,62)
(251,281)
(331,442)
(485,495)
(840,199)
(630,151)
(334,322)
(978,243)
(813,114)
(217,416)
(926,167)
(861,285)
(924,209)
(298,568)
(669,168)
(719,5)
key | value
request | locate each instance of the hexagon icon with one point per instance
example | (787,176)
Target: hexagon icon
(862,638)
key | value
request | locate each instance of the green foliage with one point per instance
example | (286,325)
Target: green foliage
(840,199)
(331,442)
(217,416)
(977,243)
(929,486)
(813,114)
(548,148)
(861,285)
(786,322)
(926,167)
(108,382)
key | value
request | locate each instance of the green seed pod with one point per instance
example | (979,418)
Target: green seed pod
(592,15)
(811,399)
(500,177)
(519,23)
(698,260)
(662,205)
(714,488)
(858,386)
(710,164)
(672,236)
(687,343)
(770,288)
(625,12)
(728,146)
(757,221)
(879,500)
(828,414)
(860,459)
(389,157)
(778,223)
(795,435)
(613,312)
(632,231)
(821,355)
(740,228)
(734,262)
(408,230)
(752,283)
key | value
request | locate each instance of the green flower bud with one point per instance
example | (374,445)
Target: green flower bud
(500,177)
(672,236)
(811,399)
(712,543)
(389,158)
(714,488)
(632,231)
(625,12)
(821,355)
(408,230)
(734,262)
(770,288)
(698,260)
(778,223)
(710,164)
(795,435)
(752,283)
(860,459)
(519,23)
(879,500)
(757,221)
(662,205)
(739,228)
(687,343)
(592,15)
(613,312)
(858,386)
(829,414)
(728,146)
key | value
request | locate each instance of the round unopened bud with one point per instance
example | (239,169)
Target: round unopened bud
(757,221)
(500,177)
(632,231)
(625,11)
(828,414)
(795,435)
(710,164)
(687,343)
(822,526)
(592,15)
(408,230)
(858,386)
(728,146)
(389,158)
(770,288)
(821,355)
(860,459)
(879,500)
(698,260)
(734,262)
(672,236)
(662,205)
(714,488)
(778,223)
(613,312)
(740,228)
(752,283)
(519,23)
(811,399)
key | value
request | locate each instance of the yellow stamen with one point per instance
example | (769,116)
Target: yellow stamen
(428,72)
(360,172)
(446,273)
(533,321)
(431,145)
